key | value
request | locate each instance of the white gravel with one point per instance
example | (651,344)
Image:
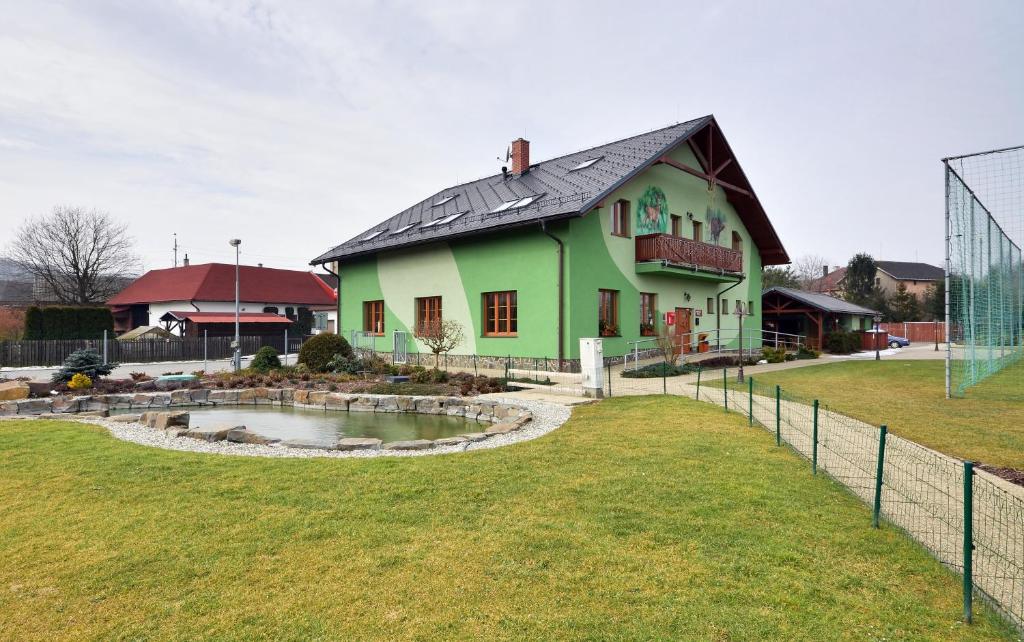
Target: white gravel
(546,417)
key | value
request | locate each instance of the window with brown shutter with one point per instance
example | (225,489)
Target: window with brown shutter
(373,317)
(500,314)
(620,218)
(608,313)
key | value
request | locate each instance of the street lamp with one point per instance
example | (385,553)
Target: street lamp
(877,319)
(237,344)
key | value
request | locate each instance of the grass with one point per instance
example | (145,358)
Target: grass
(642,518)
(909,397)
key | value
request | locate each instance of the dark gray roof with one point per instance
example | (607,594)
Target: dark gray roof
(822,301)
(907,271)
(559,191)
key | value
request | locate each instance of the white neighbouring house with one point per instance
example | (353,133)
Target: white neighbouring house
(185,299)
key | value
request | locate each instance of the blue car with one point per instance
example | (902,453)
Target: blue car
(898,342)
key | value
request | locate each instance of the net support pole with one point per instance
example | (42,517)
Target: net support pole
(968,541)
(814,441)
(750,401)
(949,345)
(778,415)
(877,511)
(699,369)
(725,387)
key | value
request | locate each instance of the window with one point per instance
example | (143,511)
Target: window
(620,218)
(373,235)
(750,307)
(648,314)
(585,164)
(320,321)
(373,317)
(698,231)
(677,225)
(504,206)
(500,313)
(271,309)
(608,313)
(444,200)
(723,306)
(289,312)
(428,311)
(404,228)
(711,305)
(737,242)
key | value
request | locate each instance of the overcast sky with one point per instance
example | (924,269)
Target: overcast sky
(298,125)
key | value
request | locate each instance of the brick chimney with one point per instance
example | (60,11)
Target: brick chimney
(186,260)
(520,156)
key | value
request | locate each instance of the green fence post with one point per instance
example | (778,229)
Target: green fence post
(698,383)
(778,415)
(725,388)
(968,541)
(878,476)
(750,401)
(814,441)
(609,380)
(664,378)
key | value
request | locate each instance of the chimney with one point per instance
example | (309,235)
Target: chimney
(186,260)
(520,156)
(824,270)
(259,265)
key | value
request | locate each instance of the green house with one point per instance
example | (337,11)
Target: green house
(660,232)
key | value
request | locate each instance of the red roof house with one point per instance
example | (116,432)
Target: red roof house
(210,288)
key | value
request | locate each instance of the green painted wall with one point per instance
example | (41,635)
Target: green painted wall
(527,261)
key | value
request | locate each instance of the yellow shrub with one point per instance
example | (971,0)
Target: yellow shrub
(80,381)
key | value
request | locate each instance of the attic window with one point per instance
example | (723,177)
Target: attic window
(585,164)
(403,229)
(523,202)
(504,206)
(372,235)
(451,217)
(444,200)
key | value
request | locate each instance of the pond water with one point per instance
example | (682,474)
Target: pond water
(327,426)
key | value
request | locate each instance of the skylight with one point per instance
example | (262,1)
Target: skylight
(523,202)
(451,217)
(433,223)
(504,206)
(372,235)
(444,200)
(403,229)
(587,163)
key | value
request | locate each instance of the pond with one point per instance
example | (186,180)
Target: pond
(328,426)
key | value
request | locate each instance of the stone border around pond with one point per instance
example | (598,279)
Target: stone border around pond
(163,420)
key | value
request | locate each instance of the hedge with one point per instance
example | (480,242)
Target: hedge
(60,322)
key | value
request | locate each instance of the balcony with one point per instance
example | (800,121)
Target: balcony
(666,254)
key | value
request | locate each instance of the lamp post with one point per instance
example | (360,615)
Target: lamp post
(740,313)
(237,344)
(877,319)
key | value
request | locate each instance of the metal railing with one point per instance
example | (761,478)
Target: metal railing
(683,251)
(717,341)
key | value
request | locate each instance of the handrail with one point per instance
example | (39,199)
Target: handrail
(720,341)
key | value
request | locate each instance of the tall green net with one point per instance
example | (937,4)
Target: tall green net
(984,272)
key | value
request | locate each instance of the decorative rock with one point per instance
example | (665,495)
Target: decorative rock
(287,396)
(223,396)
(9,408)
(317,398)
(247,395)
(165,420)
(39,389)
(126,419)
(336,401)
(413,444)
(159,399)
(450,441)
(181,397)
(65,405)
(205,434)
(13,390)
(305,445)
(119,402)
(357,443)
(198,395)
(33,406)
(240,435)
(363,404)
(300,396)
(474,436)
(405,404)
(501,429)
(173,382)
(141,400)
(94,413)
(386,404)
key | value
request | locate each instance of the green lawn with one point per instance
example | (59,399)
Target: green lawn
(986,426)
(643,518)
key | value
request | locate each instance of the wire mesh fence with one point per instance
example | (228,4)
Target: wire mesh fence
(975,529)
(985,289)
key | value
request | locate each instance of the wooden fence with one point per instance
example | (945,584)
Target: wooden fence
(917,331)
(25,354)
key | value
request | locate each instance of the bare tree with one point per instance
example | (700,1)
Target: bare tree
(80,255)
(441,336)
(669,344)
(808,268)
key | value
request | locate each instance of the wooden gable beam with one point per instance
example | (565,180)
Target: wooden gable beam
(699,174)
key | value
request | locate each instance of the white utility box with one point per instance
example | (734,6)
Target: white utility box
(592,367)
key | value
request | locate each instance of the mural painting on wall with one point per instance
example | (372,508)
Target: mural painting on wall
(716,223)
(652,212)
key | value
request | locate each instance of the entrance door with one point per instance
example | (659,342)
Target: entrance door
(683,329)
(400,343)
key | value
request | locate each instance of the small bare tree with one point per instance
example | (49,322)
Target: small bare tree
(441,336)
(669,344)
(79,255)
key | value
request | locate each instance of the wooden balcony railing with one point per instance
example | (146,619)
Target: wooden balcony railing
(681,251)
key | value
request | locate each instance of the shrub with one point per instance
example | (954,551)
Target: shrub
(429,376)
(34,323)
(87,362)
(655,370)
(806,353)
(80,381)
(12,323)
(842,342)
(773,355)
(139,376)
(317,352)
(347,365)
(265,360)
